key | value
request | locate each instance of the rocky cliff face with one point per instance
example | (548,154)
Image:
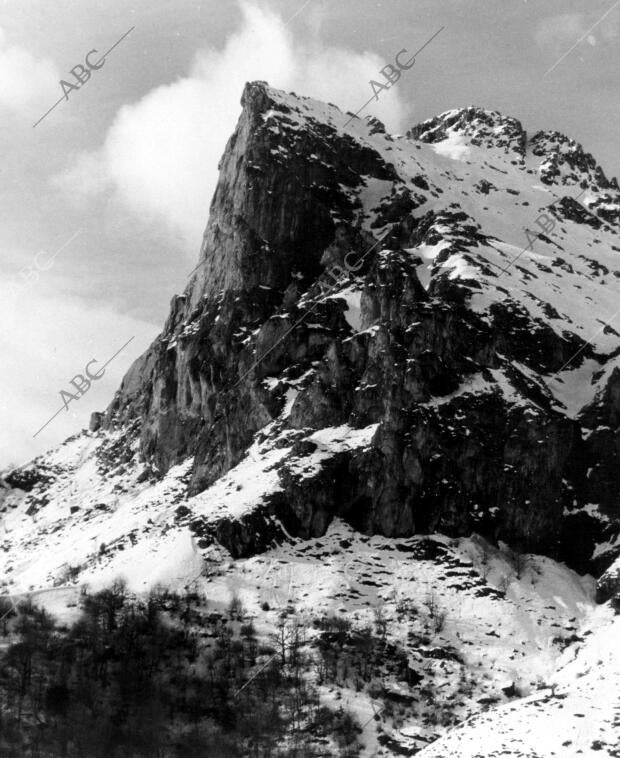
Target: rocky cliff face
(409,332)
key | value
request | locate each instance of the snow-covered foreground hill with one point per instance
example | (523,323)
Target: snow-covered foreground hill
(505,654)
(577,714)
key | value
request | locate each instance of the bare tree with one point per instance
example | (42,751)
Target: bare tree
(380,621)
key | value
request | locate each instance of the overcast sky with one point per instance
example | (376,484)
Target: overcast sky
(122,172)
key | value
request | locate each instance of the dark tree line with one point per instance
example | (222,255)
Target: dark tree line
(160,678)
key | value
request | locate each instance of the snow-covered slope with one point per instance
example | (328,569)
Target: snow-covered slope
(476,629)
(577,713)
(393,344)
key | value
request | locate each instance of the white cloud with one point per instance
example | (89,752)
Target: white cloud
(49,338)
(25,81)
(161,154)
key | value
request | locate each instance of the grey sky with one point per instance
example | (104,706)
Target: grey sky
(130,159)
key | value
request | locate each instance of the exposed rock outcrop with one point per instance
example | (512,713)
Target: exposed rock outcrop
(382,289)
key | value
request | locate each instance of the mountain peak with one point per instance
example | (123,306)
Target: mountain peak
(566,161)
(357,294)
(482,128)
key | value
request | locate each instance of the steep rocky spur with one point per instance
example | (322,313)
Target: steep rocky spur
(484,374)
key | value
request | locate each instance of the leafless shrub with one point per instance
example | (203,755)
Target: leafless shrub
(380,621)
(235,608)
(439,620)
(432,605)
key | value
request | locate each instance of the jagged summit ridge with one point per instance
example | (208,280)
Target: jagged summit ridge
(482,127)
(564,160)
(446,381)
